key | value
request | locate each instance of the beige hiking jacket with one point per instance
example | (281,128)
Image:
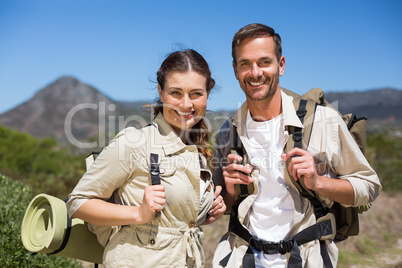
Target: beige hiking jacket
(121,172)
(336,156)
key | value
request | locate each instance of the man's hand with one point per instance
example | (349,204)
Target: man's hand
(235,173)
(301,163)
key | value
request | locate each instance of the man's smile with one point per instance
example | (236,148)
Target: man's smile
(256,84)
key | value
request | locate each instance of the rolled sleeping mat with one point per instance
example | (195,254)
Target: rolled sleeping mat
(46,228)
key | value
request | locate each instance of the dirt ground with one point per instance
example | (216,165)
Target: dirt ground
(379,243)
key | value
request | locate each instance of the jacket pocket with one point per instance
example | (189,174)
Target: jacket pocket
(167,168)
(154,240)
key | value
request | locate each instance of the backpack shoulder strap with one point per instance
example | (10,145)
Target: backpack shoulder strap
(236,147)
(153,160)
(153,157)
(300,137)
(154,169)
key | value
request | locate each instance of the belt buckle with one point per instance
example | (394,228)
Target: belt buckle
(270,247)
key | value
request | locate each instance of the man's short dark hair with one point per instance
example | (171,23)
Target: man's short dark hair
(256,30)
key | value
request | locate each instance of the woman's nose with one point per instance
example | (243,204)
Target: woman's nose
(187,102)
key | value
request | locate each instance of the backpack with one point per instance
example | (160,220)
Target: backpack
(346,218)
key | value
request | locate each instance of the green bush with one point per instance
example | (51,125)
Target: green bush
(43,164)
(14,199)
(385,157)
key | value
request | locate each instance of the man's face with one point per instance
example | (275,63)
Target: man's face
(257,68)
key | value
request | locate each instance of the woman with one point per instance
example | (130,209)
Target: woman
(156,225)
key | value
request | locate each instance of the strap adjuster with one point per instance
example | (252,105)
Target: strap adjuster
(297,136)
(281,247)
(301,113)
(154,169)
(286,246)
(256,244)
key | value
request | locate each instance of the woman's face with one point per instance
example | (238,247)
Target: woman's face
(184,99)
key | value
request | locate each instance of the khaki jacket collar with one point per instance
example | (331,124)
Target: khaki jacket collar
(171,142)
(288,113)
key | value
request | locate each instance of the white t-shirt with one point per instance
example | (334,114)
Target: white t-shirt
(271,215)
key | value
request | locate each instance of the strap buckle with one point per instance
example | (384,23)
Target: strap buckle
(286,246)
(281,247)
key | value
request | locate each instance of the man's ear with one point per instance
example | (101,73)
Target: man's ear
(282,66)
(160,91)
(235,70)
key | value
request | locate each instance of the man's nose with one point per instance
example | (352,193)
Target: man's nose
(255,70)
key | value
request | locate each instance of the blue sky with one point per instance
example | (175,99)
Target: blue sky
(117,46)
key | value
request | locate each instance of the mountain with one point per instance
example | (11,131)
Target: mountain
(69,110)
(76,113)
(378,105)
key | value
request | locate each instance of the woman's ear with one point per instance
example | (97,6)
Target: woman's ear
(160,91)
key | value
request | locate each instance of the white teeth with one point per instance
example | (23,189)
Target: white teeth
(184,114)
(256,84)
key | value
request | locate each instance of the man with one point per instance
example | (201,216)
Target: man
(274,213)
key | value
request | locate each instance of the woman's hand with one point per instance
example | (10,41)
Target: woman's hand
(152,202)
(102,213)
(218,207)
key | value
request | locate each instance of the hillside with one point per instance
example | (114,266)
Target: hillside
(379,105)
(69,110)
